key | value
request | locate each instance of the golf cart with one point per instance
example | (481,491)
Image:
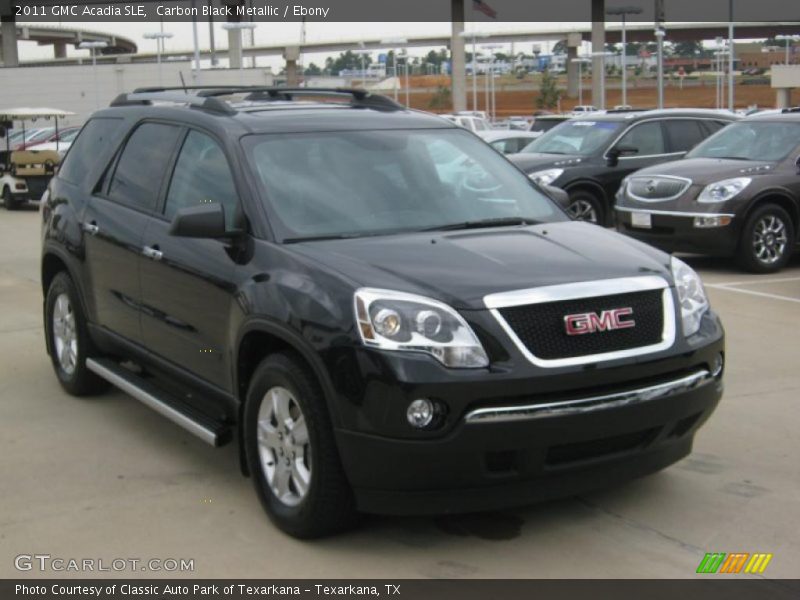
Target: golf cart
(24,174)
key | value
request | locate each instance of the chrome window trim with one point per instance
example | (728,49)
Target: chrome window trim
(586,289)
(505,414)
(672,213)
(687,185)
(659,119)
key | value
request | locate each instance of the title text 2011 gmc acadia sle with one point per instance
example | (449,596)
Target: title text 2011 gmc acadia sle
(386,313)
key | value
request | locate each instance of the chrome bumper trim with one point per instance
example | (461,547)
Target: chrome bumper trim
(671,213)
(503,414)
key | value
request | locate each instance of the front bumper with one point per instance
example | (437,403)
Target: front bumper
(674,231)
(506,451)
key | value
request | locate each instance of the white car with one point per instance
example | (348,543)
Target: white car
(582,109)
(474,124)
(508,141)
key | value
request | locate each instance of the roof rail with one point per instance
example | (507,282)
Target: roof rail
(144,96)
(206,96)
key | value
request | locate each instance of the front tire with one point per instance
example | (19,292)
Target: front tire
(68,340)
(291,452)
(767,240)
(585,206)
(8,199)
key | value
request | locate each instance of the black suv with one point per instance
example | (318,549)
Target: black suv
(386,314)
(736,194)
(590,155)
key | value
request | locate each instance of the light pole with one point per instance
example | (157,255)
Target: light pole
(93,47)
(788,39)
(159,37)
(721,54)
(474,34)
(394,43)
(239,26)
(490,81)
(660,33)
(624,11)
(580,62)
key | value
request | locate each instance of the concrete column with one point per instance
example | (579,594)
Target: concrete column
(60,49)
(8,29)
(783,98)
(291,55)
(573,69)
(458,58)
(234,48)
(598,45)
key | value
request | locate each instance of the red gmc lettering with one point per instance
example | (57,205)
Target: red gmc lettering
(608,320)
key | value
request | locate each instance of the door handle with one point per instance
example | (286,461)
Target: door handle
(152,252)
(91,228)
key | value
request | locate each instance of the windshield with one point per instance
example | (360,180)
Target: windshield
(763,141)
(576,137)
(69,135)
(358,183)
(545,124)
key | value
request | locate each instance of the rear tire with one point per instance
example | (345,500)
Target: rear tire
(585,206)
(291,452)
(68,340)
(767,240)
(8,199)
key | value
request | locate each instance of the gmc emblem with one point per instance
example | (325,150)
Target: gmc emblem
(608,320)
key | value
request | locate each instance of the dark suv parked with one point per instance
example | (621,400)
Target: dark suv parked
(588,156)
(737,194)
(387,315)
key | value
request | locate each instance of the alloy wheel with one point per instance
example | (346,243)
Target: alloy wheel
(582,210)
(284,446)
(769,239)
(65,339)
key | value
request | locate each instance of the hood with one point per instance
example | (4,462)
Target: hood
(462,267)
(703,171)
(537,161)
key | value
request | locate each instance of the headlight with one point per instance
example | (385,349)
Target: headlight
(691,295)
(724,190)
(399,321)
(546,177)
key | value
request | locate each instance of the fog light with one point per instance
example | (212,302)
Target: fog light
(420,413)
(710,222)
(717,365)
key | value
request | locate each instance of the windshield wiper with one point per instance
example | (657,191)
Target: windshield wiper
(320,238)
(498,222)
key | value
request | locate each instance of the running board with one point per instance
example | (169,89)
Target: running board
(207,429)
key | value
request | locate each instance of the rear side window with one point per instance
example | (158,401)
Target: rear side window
(647,138)
(92,144)
(201,176)
(140,171)
(684,134)
(714,126)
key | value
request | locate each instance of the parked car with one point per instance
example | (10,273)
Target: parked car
(519,123)
(588,156)
(582,109)
(736,194)
(470,123)
(546,122)
(384,313)
(61,145)
(508,141)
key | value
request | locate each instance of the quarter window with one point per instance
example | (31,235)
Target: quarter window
(647,138)
(202,176)
(140,171)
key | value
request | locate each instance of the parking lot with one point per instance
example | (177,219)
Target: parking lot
(106,477)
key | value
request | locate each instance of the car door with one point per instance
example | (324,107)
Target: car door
(188,284)
(649,141)
(114,221)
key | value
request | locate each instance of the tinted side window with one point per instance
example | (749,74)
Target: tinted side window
(140,171)
(684,134)
(92,144)
(714,126)
(647,138)
(201,176)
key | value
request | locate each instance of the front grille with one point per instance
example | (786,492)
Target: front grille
(656,188)
(541,327)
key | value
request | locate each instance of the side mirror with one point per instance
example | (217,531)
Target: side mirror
(617,151)
(203,221)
